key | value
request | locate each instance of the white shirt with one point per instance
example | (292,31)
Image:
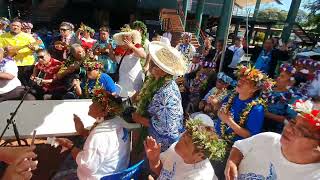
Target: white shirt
(238,53)
(165,40)
(9,67)
(263,159)
(130,75)
(174,168)
(106,151)
(167,35)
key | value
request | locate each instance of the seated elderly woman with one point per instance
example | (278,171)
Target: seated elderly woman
(106,149)
(159,103)
(10,85)
(242,112)
(279,100)
(212,101)
(293,155)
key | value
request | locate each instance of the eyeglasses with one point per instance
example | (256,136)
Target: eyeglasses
(40,57)
(300,132)
(62,29)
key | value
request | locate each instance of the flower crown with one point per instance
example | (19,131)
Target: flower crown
(83,27)
(253,74)
(288,68)
(125,29)
(93,65)
(206,140)
(110,103)
(305,108)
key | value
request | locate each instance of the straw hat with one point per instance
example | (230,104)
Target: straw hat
(167,58)
(136,36)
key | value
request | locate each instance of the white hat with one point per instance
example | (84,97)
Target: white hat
(136,36)
(205,119)
(167,58)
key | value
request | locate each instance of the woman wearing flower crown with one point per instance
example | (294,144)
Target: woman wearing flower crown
(293,155)
(95,79)
(85,34)
(242,112)
(128,54)
(106,149)
(159,104)
(279,99)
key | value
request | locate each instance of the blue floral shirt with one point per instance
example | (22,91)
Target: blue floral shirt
(279,104)
(166,112)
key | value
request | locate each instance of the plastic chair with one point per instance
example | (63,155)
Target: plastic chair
(127,174)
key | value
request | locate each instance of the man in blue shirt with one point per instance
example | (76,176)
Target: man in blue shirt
(95,79)
(102,51)
(266,59)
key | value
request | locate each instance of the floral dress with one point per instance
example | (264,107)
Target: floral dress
(279,104)
(166,112)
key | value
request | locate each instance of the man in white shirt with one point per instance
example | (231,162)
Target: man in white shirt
(238,52)
(168,35)
(187,158)
(10,86)
(293,155)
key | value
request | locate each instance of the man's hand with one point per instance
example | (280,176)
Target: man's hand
(20,170)
(10,155)
(231,171)
(152,149)
(65,143)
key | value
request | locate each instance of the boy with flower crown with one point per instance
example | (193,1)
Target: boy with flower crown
(279,100)
(293,155)
(187,159)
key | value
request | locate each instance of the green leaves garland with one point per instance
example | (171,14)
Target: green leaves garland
(149,89)
(243,117)
(206,140)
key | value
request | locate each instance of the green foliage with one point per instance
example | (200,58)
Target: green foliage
(260,37)
(272,14)
(313,18)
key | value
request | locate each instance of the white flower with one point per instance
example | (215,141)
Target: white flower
(305,107)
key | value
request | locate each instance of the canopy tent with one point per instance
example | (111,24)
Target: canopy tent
(244,3)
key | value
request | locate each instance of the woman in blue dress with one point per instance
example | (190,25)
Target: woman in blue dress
(242,111)
(159,102)
(279,100)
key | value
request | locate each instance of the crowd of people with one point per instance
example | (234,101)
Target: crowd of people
(201,114)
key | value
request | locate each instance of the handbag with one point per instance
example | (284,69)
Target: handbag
(116,75)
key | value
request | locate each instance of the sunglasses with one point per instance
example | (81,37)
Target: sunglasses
(61,29)
(40,57)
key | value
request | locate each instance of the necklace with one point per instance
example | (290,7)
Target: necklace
(87,92)
(243,117)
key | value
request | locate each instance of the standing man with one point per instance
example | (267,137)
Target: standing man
(102,51)
(266,59)
(20,46)
(238,53)
(59,48)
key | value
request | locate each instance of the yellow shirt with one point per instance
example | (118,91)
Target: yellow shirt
(24,56)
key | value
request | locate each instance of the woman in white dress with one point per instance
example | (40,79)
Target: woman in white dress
(128,54)
(107,147)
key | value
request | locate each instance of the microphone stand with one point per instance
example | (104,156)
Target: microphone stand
(12,121)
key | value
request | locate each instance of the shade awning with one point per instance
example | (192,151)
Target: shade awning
(245,3)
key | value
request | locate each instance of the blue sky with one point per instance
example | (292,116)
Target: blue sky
(285,6)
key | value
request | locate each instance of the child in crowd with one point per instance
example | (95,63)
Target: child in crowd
(211,102)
